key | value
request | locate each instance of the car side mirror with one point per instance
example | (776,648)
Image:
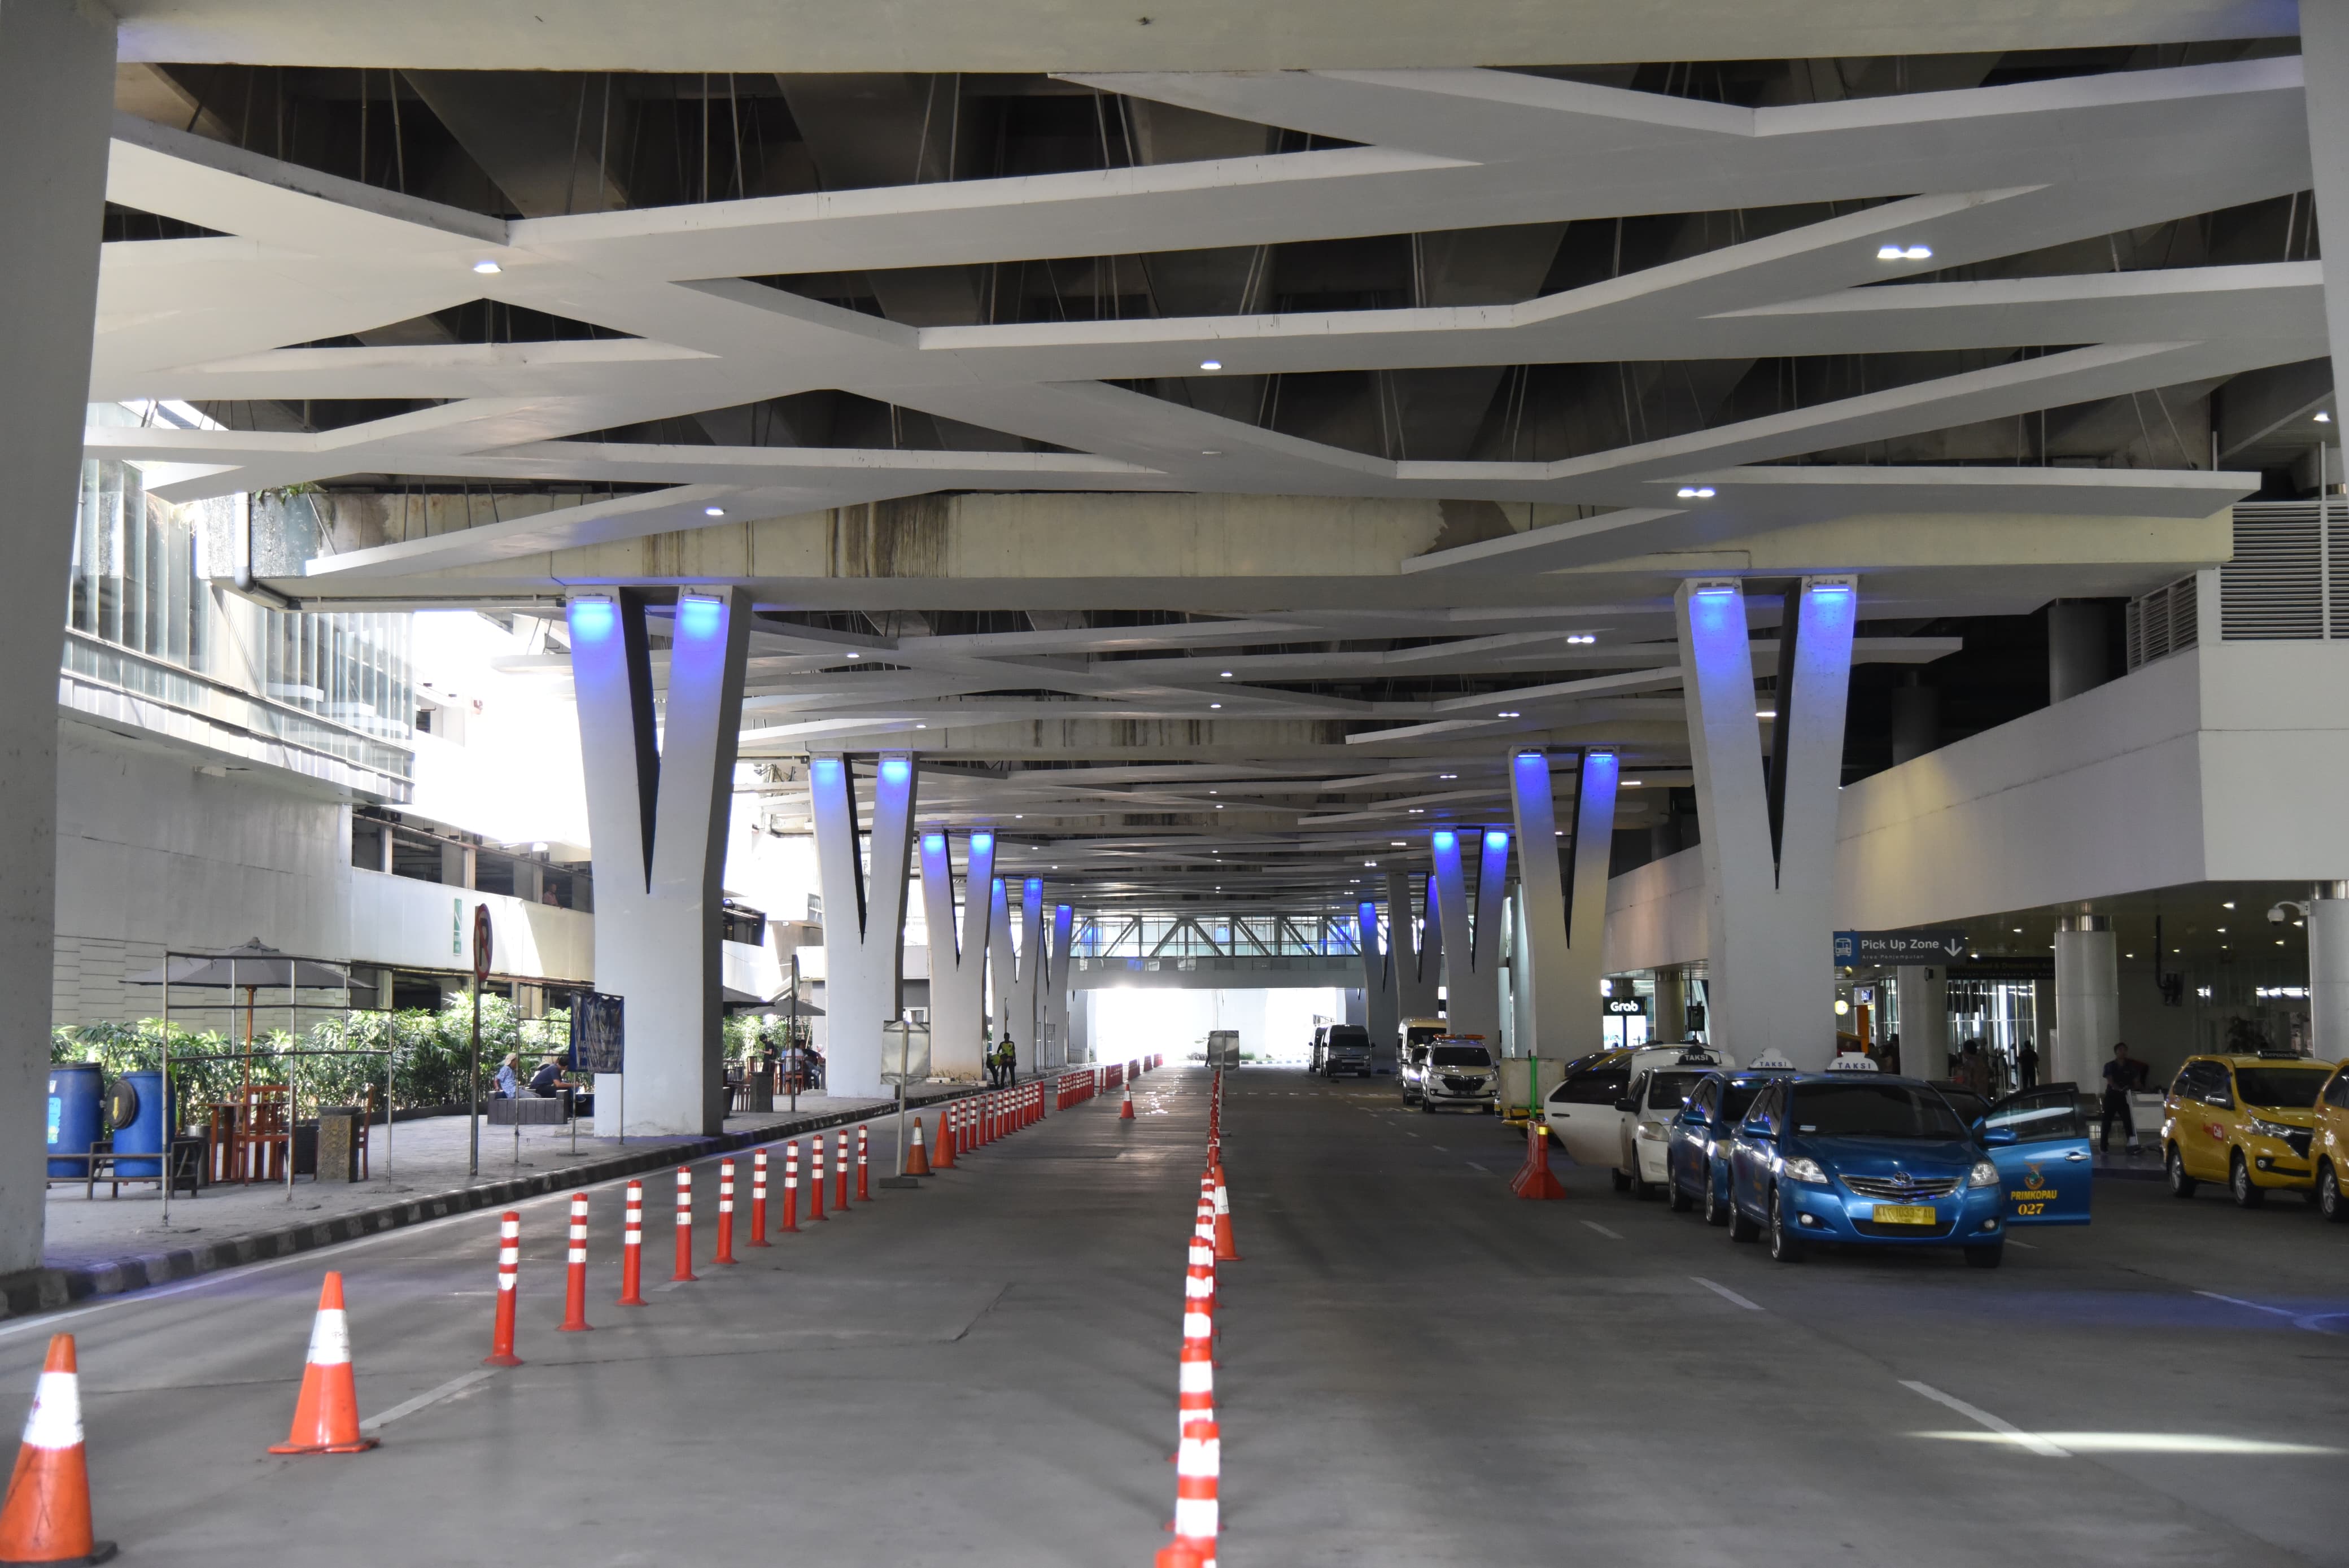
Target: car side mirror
(1998,1138)
(1762,1133)
(1629,1106)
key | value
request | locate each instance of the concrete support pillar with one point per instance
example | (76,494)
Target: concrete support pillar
(1055,1010)
(1418,950)
(1016,974)
(659,814)
(1916,719)
(1357,1009)
(2087,1003)
(2325,64)
(957,968)
(1670,1020)
(1381,993)
(57,101)
(1472,946)
(1561,957)
(2328,971)
(1768,839)
(1924,1020)
(864,914)
(2079,654)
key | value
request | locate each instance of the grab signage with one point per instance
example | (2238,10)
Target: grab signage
(1897,947)
(1627,1006)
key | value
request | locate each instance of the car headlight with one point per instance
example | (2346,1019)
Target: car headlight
(1651,1132)
(1984,1174)
(2260,1129)
(1803,1168)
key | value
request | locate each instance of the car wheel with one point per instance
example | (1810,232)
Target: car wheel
(1641,1188)
(1784,1246)
(2246,1193)
(1622,1183)
(1988,1257)
(2328,1195)
(1426,1105)
(1677,1195)
(2181,1185)
(1716,1213)
(1741,1228)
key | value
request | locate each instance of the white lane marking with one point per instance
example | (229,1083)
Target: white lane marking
(1474,1166)
(1603,1231)
(2032,1440)
(1727,1294)
(448,1390)
(2026,1246)
(1439,1148)
(2238,1301)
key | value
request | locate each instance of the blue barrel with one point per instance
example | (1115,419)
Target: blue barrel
(148,1129)
(74,1096)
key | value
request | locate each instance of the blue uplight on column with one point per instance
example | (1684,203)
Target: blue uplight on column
(1035,884)
(895,770)
(1368,914)
(1532,762)
(935,843)
(826,769)
(981,842)
(1496,840)
(591,620)
(699,617)
(1444,840)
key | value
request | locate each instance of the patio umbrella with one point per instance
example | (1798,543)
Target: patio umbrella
(252,965)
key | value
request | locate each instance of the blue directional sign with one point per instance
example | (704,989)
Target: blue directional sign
(1925,946)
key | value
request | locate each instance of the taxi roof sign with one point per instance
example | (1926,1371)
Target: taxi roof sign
(1854,1062)
(1771,1062)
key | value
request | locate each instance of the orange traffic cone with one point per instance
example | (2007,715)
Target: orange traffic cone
(1126,1106)
(46,1516)
(1533,1179)
(917,1158)
(326,1414)
(1226,1249)
(944,1157)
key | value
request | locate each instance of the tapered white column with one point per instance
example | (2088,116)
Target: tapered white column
(1925,1020)
(864,916)
(1561,957)
(1769,837)
(1380,989)
(1055,1010)
(1015,975)
(2087,1003)
(657,814)
(1418,947)
(1472,947)
(57,100)
(957,968)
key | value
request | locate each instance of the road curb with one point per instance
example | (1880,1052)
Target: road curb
(40,1290)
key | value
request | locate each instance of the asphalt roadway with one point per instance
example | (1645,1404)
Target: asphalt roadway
(1415,1368)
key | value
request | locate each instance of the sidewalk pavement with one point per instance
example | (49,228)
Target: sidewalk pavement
(103,1246)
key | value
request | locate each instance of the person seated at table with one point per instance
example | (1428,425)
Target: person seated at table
(543,1082)
(509,1076)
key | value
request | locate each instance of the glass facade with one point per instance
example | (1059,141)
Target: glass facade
(1215,936)
(139,588)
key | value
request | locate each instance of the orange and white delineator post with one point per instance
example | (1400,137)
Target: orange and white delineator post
(840,1172)
(326,1412)
(1125,1106)
(1226,1250)
(759,1199)
(815,1177)
(864,1194)
(684,1226)
(502,1332)
(631,1250)
(1198,1466)
(725,1253)
(944,1157)
(917,1157)
(790,1186)
(574,1285)
(46,1518)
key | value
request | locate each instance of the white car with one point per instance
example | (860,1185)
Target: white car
(1585,1112)
(1458,1073)
(1657,1094)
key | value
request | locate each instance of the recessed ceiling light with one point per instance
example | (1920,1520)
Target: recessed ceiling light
(2322,418)
(1582,637)
(1225,675)
(486,266)
(1509,713)
(1369,863)
(2018,931)
(921,726)
(1214,792)
(857,656)
(1765,713)
(1447,775)
(1904,253)
(2222,931)
(1019,816)
(713,511)
(1215,705)
(1398,843)
(1211,452)
(1629,784)
(1211,365)
(1695,492)
(1219,805)
(2229,904)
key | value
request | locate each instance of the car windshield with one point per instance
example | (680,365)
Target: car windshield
(1420,1037)
(1350,1039)
(1737,1100)
(1871,1111)
(1463,1057)
(1669,1090)
(2281,1088)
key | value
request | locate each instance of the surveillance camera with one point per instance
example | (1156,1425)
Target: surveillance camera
(2276,914)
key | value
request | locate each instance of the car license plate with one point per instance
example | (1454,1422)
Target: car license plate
(1905,1214)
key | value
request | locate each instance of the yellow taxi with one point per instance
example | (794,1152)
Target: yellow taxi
(2246,1120)
(2330,1144)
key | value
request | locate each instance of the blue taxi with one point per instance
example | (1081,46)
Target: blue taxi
(1696,1150)
(1863,1159)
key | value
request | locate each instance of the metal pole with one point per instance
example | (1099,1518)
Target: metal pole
(799,1056)
(905,1066)
(294,1043)
(170,1124)
(390,1083)
(473,1087)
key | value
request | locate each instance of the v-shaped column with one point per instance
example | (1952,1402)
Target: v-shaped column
(1013,976)
(1562,952)
(1418,939)
(957,970)
(658,811)
(1053,1012)
(1768,838)
(1381,987)
(863,915)
(1471,949)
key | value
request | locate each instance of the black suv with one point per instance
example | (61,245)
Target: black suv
(1347,1050)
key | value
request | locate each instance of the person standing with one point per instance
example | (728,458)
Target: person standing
(2026,1064)
(1007,1063)
(1891,1062)
(2120,1076)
